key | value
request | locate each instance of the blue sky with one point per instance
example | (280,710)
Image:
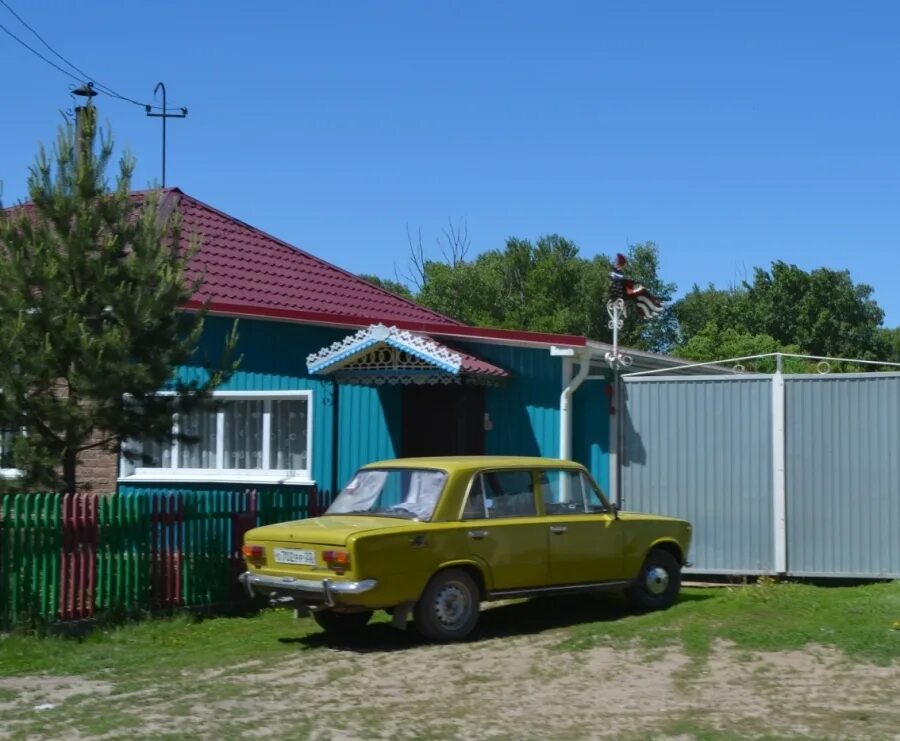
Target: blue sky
(732,134)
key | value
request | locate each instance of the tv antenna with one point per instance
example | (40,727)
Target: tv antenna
(165,115)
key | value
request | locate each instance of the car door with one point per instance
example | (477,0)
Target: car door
(503,530)
(585,538)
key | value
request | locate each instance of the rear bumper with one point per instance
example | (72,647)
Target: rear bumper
(307,590)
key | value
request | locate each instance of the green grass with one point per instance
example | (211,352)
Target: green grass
(861,621)
(158,646)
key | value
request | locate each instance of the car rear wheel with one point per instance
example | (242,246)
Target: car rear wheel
(658,582)
(449,606)
(341,624)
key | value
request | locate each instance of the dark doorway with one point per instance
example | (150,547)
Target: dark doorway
(443,420)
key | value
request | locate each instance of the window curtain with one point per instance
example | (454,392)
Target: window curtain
(243,434)
(287,446)
(201,451)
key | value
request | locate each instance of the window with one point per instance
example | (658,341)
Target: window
(245,437)
(6,442)
(397,492)
(570,492)
(496,494)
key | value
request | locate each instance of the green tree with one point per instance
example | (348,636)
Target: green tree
(821,312)
(90,330)
(714,343)
(545,286)
(890,341)
(394,286)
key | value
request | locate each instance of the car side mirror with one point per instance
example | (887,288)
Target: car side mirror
(614,508)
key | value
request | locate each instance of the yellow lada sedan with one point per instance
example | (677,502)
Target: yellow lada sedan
(434,537)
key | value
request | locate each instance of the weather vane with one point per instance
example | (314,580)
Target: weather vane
(623,289)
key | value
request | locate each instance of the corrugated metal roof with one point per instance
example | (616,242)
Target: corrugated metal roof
(244,266)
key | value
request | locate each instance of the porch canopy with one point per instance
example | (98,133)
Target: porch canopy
(380,355)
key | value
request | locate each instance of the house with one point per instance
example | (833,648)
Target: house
(337,372)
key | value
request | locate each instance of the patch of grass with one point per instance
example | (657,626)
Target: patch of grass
(161,647)
(857,620)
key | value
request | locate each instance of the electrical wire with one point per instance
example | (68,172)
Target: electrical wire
(38,54)
(84,75)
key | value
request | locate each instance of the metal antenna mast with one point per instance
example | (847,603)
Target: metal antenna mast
(164,115)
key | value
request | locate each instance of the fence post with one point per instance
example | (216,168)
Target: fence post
(779,478)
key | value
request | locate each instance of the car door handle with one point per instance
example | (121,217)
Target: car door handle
(558,529)
(478,534)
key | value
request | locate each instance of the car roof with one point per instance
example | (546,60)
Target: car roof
(471,462)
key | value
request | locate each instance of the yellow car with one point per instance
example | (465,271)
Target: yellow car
(434,537)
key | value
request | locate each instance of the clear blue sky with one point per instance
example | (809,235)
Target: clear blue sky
(732,134)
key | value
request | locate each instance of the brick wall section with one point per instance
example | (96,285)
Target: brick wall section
(98,470)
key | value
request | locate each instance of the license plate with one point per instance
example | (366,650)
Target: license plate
(294,556)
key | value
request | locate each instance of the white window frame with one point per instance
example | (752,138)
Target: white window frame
(132,473)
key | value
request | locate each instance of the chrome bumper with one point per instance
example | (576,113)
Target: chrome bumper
(311,590)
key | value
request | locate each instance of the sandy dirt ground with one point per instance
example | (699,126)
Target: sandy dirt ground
(509,687)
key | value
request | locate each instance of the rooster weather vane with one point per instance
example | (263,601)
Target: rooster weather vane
(625,292)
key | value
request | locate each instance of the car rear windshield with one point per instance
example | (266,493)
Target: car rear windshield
(392,492)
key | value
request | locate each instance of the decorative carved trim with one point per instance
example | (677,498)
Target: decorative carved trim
(382,348)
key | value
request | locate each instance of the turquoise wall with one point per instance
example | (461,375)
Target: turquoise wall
(590,430)
(524,410)
(274,359)
(370,427)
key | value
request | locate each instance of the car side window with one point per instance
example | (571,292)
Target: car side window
(497,494)
(474,509)
(562,492)
(593,498)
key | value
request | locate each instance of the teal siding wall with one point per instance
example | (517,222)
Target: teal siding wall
(274,359)
(524,410)
(590,430)
(370,427)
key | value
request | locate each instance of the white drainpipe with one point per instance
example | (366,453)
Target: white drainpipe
(565,402)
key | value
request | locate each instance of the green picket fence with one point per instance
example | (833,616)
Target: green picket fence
(69,557)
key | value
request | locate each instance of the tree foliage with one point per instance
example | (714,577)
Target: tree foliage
(90,330)
(540,286)
(822,312)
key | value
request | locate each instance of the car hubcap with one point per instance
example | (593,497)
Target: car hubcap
(451,605)
(657,580)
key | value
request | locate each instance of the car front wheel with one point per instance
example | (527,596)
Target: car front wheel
(658,582)
(341,624)
(449,606)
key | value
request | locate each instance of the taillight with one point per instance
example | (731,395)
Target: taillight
(336,559)
(253,552)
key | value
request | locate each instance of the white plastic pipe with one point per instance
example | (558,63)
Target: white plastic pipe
(565,402)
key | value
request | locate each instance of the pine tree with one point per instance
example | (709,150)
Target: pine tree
(90,332)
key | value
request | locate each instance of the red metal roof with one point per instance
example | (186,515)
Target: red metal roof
(245,267)
(248,273)
(477,367)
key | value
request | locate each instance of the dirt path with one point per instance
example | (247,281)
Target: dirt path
(519,687)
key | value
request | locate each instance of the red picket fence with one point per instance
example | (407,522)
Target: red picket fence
(78,562)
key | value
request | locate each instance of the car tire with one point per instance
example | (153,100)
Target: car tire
(657,584)
(448,608)
(342,624)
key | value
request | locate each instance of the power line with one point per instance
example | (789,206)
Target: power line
(38,54)
(84,75)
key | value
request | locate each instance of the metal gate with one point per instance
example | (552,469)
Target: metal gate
(790,474)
